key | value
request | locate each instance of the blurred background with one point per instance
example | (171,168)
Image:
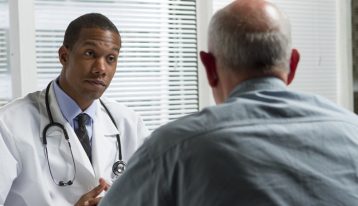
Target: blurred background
(159,74)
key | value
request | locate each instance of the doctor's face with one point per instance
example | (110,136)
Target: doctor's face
(89,66)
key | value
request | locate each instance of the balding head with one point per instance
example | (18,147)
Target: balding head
(250,35)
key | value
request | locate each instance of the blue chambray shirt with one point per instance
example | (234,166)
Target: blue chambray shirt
(265,146)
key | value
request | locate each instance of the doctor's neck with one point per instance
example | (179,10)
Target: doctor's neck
(82,100)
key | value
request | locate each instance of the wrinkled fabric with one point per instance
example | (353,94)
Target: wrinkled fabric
(25,177)
(265,146)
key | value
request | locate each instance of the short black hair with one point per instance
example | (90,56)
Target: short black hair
(90,20)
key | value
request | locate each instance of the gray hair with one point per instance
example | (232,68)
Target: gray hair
(236,45)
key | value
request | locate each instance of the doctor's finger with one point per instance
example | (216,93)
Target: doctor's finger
(96,191)
(104,183)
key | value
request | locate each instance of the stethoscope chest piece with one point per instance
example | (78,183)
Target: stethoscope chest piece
(118,167)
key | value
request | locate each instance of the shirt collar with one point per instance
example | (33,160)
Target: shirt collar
(257,84)
(69,107)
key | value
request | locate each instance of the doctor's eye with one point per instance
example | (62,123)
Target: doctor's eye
(89,53)
(111,59)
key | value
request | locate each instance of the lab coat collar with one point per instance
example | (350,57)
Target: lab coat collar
(103,133)
(84,168)
(69,108)
(104,137)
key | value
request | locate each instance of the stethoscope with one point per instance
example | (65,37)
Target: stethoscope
(117,168)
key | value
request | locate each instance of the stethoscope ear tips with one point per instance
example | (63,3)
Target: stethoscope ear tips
(62,183)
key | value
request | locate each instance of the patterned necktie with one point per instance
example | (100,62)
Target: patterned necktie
(82,134)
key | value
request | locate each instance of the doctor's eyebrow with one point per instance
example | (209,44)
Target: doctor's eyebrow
(93,43)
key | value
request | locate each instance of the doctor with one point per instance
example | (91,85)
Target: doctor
(63,145)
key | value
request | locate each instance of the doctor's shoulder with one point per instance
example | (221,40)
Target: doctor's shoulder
(120,111)
(21,112)
(28,104)
(126,118)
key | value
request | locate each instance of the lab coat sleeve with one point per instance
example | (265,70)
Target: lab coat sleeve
(8,163)
(142,131)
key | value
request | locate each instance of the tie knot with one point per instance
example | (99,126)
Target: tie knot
(82,119)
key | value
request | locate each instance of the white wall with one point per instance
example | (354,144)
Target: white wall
(22,47)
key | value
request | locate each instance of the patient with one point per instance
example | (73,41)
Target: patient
(263,144)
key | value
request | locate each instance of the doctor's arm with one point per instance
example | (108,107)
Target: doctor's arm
(8,164)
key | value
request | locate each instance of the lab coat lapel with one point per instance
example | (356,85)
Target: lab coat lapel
(83,165)
(104,144)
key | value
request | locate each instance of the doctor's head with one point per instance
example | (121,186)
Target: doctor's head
(89,57)
(248,39)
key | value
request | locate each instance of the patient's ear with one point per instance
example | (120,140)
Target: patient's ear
(208,61)
(295,58)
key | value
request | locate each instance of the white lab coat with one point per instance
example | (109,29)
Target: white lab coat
(24,174)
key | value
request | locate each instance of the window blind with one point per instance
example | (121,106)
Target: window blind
(314,35)
(355,51)
(157,69)
(5,79)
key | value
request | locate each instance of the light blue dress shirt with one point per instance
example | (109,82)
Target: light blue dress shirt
(70,109)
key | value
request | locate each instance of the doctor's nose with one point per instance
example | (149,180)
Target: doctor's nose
(99,66)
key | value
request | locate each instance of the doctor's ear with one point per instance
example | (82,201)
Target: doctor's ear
(63,54)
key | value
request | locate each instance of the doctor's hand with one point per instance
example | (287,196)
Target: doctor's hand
(91,198)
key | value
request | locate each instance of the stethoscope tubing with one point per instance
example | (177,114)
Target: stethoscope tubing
(118,166)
